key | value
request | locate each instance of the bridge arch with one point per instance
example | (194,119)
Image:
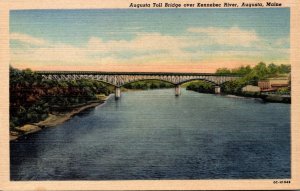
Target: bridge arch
(216,86)
(198,79)
(149,79)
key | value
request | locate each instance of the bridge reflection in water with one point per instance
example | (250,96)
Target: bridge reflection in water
(119,79)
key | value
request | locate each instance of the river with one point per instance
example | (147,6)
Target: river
(155,135)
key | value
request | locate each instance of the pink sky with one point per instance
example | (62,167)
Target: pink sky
(121,40)
(206,67)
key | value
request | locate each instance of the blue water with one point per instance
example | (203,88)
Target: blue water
(155,135)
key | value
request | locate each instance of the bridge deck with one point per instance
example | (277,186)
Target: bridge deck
(135,73)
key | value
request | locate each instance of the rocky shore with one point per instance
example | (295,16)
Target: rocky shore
(51,121)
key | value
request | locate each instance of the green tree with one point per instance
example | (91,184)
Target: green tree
(201,86)
(272,69)
(261,70)
(223,71)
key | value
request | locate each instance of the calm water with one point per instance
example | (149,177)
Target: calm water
(155,135)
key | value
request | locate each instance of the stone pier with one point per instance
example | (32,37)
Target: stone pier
(177,90)
(217,89)
(117,93)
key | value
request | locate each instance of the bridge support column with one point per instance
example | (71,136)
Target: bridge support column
(177,90)
(117,92)
(217,89)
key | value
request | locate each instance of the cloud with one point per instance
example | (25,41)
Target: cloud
(282,42)
(27,39)
(233,36)
(142,42)
(207,44)
(59,52)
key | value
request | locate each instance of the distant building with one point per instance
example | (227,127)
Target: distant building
(250,88)
(273,84)
(263,85)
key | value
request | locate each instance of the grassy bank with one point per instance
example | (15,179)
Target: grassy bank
(53,119)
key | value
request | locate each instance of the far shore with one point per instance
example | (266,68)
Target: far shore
(52,120)
(264,98)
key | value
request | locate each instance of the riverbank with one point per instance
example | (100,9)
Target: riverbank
(273,98)
(277,98)
(52,120)
(242,97)
(265,98)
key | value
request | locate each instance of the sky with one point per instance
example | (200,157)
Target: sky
(148,40)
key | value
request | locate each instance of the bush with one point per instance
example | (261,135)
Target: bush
(284,90)
(148,84)
(201,86)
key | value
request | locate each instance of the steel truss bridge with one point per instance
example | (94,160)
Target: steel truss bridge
(119,79)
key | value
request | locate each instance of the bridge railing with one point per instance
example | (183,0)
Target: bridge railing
(135,73)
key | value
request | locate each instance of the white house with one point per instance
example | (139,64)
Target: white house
(250,88)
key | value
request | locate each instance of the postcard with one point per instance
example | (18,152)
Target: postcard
(149,95)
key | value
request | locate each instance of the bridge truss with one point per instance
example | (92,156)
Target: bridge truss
(119,79)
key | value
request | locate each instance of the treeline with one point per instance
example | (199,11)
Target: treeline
(148,84)
(201,86)
(261,70)
(249,76)
(33,98)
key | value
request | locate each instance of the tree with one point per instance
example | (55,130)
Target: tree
(272,69)
(201,86)
(261,70)
(223,71)
(284,68)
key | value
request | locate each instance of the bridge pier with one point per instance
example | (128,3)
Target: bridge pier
(117,92)
(217,89)
(177,90)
